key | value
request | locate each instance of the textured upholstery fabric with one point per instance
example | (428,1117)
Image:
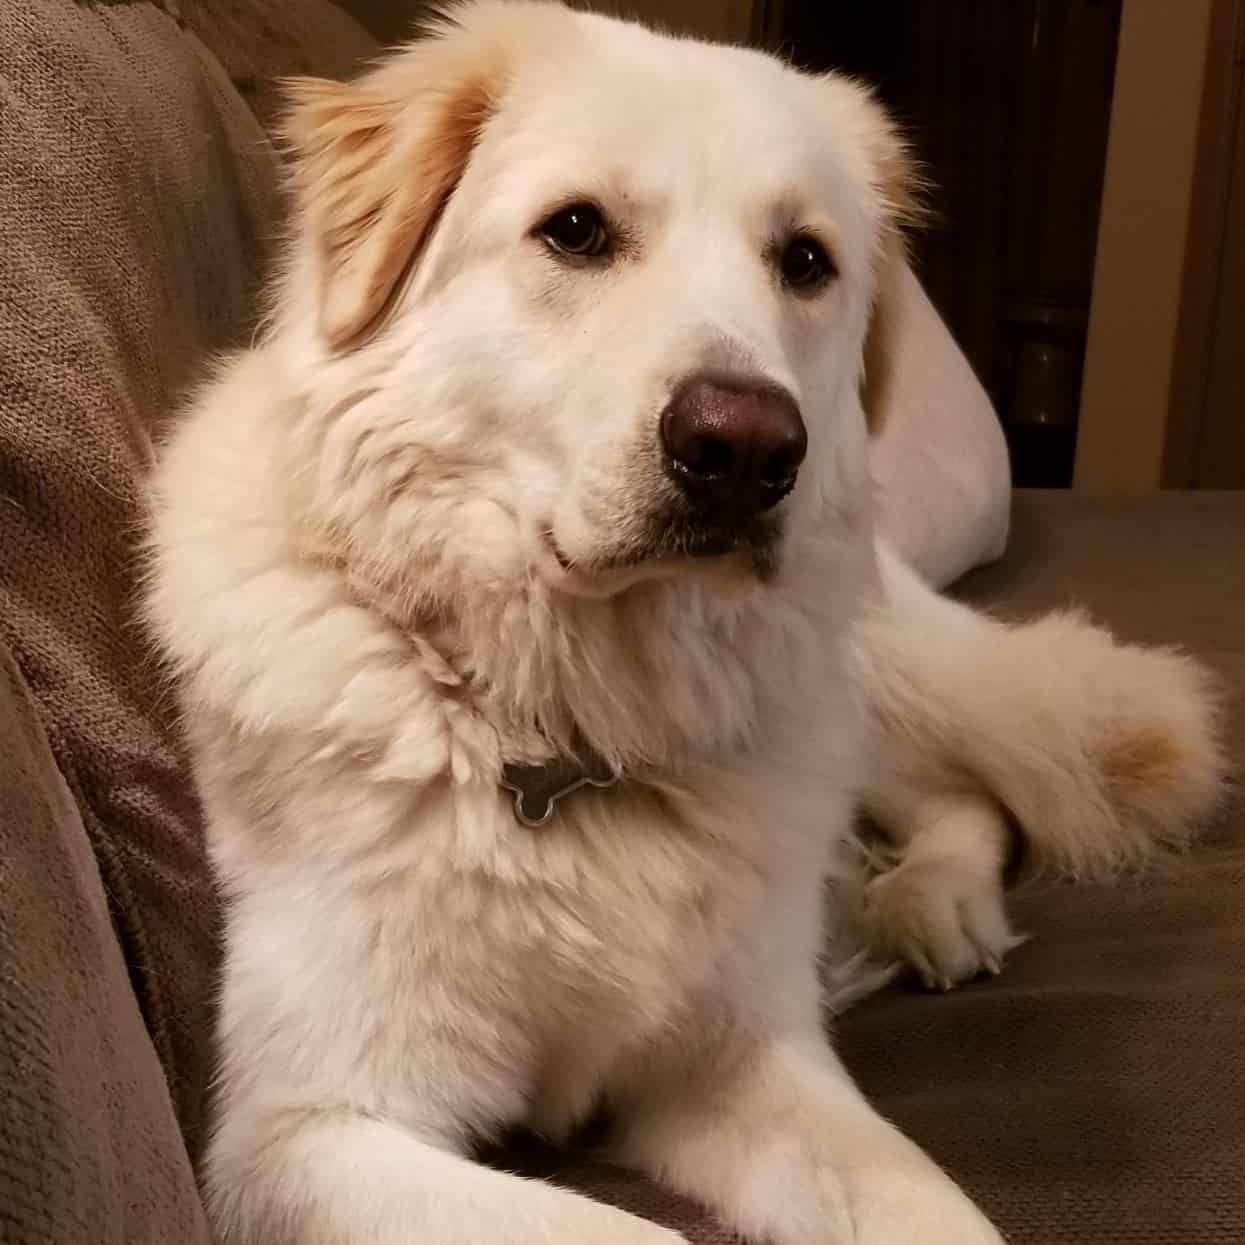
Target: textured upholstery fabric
(90,1152)
(137,201)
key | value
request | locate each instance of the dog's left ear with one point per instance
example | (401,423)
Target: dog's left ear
(899,187)
(375,161)
(877,364)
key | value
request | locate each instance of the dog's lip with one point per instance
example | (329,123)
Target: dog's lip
(599,580)
(569,566)
(561,571)
(551,542)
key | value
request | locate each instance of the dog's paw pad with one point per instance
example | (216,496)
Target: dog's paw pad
(946,921)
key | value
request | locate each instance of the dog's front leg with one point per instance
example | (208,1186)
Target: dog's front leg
(773,1136)
(338,1177)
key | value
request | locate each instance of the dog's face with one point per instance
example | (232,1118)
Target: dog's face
(603,295)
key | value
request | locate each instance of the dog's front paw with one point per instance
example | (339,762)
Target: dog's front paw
(941,915)
(620,1228)
(921,1207)
(887,1201)
(565,1219)
(599,1224)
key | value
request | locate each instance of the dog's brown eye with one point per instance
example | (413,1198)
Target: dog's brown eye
(577,230)
(805,264)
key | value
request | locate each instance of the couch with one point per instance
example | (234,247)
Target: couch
(1093,1094)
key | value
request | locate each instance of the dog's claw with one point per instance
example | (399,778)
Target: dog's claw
(924,969)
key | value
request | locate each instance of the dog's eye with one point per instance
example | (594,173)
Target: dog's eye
(577,231)
(805,264)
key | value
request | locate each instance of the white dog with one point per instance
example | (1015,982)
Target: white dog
(553,466)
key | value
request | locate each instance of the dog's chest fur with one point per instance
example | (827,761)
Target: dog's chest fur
(521,964)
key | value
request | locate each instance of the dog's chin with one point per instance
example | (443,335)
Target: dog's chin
(725,557)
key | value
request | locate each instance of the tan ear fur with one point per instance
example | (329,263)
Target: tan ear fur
(901,188)
(881,339)
(375,161)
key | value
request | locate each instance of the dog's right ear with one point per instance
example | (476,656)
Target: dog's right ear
(375,161)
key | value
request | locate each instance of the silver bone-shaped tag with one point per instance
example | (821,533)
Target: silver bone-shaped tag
(538,788)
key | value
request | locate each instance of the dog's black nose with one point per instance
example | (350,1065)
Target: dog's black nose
(733,445)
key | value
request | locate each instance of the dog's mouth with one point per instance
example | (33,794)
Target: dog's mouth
(667,548)
(551,543)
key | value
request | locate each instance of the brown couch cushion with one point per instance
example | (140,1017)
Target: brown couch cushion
(137,199)
(259,42)
(388,21)
(89,1148)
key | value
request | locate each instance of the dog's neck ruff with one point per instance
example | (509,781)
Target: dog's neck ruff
(537,789)
(585,731)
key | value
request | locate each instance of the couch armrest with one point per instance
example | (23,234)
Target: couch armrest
(90,1152)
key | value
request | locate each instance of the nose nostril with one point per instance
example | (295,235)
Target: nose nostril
(778,469)
(710,458)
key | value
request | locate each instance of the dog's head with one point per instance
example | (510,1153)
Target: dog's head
(590,302)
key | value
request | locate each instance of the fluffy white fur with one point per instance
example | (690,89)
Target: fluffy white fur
(353,574)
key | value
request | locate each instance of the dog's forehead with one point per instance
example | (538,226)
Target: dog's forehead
(671,113)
